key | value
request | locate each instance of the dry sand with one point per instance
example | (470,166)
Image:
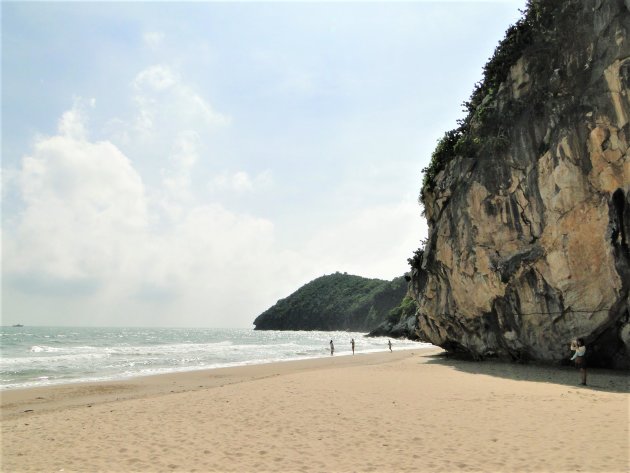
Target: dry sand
(386,412)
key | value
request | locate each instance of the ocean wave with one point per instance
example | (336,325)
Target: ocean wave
(44,349)
(49,355)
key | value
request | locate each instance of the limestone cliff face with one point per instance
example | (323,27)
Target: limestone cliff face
(528,239)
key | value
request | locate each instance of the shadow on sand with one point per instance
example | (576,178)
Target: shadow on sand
(598,379)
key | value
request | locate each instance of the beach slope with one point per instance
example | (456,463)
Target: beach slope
(414,411)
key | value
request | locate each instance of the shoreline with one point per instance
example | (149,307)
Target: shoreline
(57,356)
(14,401)
(410,410)
(120,378)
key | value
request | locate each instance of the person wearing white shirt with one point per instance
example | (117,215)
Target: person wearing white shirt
(579,357)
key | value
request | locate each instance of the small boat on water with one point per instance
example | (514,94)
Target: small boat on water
(18,325)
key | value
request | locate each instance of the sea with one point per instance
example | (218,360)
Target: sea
(43,356)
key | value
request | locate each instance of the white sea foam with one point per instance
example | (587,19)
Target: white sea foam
(40,356)
(38,349)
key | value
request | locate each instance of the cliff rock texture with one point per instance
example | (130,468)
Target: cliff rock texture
(528,201)
(401,322)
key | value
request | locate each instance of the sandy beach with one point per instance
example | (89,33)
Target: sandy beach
(414,411)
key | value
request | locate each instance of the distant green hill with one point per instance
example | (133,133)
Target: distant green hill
(338,301)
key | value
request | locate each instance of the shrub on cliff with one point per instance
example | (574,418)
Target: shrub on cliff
(543,26)
(406,309)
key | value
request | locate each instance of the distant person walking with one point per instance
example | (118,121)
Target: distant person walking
(579,356)
(332,348)
(389,342)
(352,345)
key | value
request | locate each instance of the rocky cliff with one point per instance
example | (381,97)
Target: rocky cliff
(528,200)
(335,302)
(401,322)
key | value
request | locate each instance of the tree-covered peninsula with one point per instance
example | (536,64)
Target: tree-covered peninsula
(338,301)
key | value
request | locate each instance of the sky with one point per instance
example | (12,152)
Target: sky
(189,164)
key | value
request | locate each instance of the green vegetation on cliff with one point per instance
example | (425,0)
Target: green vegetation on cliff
(335,302)
(406,308)
(543,32)
(401,322)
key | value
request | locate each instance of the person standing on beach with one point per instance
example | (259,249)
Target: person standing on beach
(332,348)
(352,344)
(579,357)
(389,342)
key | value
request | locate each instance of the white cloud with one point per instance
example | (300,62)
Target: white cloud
(183,157)
(153,39)
(72,122)
(81,201)
(94,238)
(375,243)
(185,152)
(241,181)
(171,128)
(157,77)
(166,105)
(90,225)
